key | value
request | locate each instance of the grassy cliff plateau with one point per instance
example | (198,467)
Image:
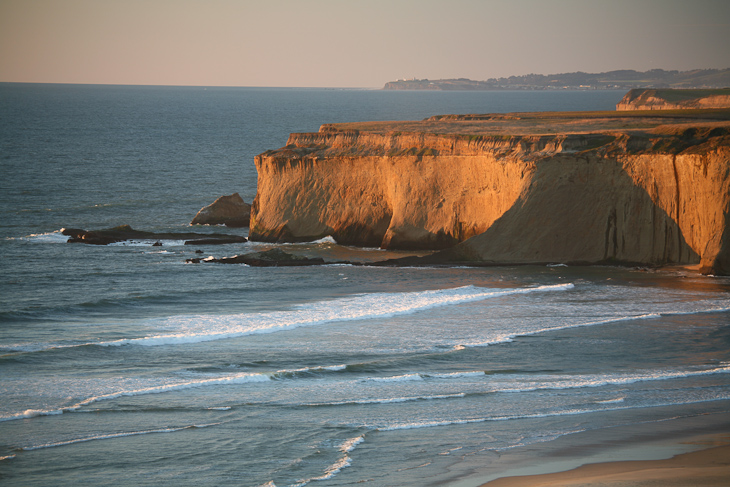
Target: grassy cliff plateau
(595,187)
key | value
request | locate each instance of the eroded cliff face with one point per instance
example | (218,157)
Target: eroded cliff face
(397,191)
(656,198)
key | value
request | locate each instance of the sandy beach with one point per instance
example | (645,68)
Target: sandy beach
(686,452)
(709,467)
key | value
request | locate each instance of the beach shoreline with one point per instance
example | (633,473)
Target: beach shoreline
(707,467)
(674,452)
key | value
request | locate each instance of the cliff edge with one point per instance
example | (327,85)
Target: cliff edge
(593,187)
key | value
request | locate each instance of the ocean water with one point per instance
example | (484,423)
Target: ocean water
(122,365)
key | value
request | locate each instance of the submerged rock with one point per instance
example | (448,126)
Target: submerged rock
(230,211)
(124,233)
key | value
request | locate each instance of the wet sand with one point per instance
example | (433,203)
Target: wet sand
(709,467)
(685,451)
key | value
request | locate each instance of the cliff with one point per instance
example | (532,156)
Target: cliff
(639,99)
(602,187)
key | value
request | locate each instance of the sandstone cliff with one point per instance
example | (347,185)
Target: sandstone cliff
(651,99)
(656,193)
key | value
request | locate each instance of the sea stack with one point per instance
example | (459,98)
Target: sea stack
(230,211)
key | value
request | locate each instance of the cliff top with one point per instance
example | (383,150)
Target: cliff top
(548,123)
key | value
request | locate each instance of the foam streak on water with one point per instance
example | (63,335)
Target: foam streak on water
(507,383)
(369,306)
(115,435)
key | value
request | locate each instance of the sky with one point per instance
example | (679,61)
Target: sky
(350,43)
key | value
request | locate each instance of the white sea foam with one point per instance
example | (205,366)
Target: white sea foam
(205,381)
(611,401)
(332,367)
(389,400)
(432,424)
(32,413)
(520,384)
(330,472)
(115,435)
(288,373)
(564,412)
(50,237)
(540,439)
(350,444)
(234,379)
(506,383)
(397,378)
(722,309)
(450,451)
(422,376)
(456,375)
(201,328)
(510,337)
(326,240)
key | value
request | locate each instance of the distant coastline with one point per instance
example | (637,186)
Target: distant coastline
(625,79)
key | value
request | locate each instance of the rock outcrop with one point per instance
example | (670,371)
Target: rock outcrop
(659,99)
(125,233)
(267,258)
(230,211)
(654,194)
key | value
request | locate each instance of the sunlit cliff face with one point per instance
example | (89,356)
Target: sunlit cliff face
(612,197)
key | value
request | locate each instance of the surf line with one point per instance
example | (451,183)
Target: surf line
(359,307)
(116,435)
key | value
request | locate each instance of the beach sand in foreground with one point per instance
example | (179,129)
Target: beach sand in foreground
(709,467)
(684,450)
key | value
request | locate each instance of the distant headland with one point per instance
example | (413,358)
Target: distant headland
(624,79)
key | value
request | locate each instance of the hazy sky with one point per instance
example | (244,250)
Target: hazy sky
(349,43)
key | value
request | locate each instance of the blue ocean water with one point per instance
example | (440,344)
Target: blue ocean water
(123,365)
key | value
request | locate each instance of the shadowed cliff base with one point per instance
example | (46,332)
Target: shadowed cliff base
(637,188)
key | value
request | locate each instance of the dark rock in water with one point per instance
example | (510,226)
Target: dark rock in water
(230,211)
(124,233)
(269,258)
(215,240)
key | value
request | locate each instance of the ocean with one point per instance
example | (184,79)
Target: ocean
(123,365)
